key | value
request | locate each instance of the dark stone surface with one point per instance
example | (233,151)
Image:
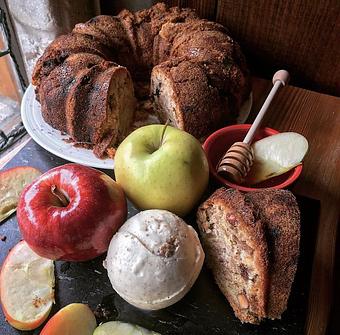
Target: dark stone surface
(203,310)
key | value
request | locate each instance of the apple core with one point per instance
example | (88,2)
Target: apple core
(61,196)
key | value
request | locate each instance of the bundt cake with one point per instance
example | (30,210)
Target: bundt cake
(199,78)
(252,246)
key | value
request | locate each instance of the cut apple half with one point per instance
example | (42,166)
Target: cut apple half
(12,182)
(73,319)
(275,155)
(119,328)
(26,287)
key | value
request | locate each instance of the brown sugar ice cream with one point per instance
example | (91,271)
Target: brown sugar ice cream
(154,259)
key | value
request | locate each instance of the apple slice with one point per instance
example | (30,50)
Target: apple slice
(12,182)
(275,155)
(118,328)
(26,287)
(71,320)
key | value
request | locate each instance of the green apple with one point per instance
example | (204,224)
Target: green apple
(162,167)
(119,328)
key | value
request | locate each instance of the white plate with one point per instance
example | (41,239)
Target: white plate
(53,141)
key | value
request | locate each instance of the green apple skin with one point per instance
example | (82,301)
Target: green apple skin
(170,173)
(119,328)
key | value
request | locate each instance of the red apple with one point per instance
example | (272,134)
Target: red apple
(12,182)
(71,212)
(73,319)
(26,287)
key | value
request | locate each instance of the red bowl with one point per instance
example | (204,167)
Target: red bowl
(221,140)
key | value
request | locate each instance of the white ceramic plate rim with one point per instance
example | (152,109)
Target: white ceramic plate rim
(55,142)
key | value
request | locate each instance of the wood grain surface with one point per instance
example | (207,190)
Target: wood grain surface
(317,117)
(302,36)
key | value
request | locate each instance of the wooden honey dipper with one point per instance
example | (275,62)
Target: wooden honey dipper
(237,161)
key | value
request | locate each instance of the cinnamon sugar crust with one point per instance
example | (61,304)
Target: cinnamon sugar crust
(173,100)
(267,221)
(56,87)
(61,48)
(195,59)
(279,212)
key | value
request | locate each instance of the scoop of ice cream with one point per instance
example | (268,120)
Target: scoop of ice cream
(154,259)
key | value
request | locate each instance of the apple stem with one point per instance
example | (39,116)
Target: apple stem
(164,129)
(60,195)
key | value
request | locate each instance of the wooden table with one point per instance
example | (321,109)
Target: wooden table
(317,117)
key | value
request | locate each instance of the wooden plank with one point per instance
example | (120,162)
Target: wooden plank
(317,117)
(206,9)
(333,326)
(302,36)
(10,153)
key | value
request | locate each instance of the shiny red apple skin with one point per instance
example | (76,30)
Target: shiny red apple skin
(83,229)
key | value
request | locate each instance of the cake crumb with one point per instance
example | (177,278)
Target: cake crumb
(102,313)
(111,152)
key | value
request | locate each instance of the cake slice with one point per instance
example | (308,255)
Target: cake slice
(110,32)
(55,88)
(100,107)
(107,29)
(236,249)
(279,212)
(175,86)
(62,47)
(118,97)
(275,215)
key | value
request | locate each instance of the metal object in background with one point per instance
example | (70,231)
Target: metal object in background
(14,135)
(18,131)
(9,50)
(38,22)
(28,27)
